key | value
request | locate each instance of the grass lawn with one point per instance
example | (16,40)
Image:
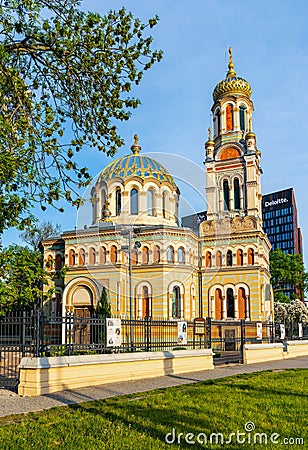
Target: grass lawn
(275,402)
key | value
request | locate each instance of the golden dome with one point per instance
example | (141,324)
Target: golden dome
(232,84)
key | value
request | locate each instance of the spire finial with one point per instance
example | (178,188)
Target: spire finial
(209,133)
(135,148)
(231,71)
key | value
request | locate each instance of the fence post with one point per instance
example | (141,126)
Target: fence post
(37,331)
(209,332)
(243,338)
(23,333)
(148,333)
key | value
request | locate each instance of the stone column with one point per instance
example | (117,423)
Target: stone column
(247,307)
(224,307)
(235,306)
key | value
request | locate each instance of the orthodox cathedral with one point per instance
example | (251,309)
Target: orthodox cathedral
(148,264)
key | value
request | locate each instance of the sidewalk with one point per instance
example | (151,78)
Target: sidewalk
(11,403)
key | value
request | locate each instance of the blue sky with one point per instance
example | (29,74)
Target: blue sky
(269,40)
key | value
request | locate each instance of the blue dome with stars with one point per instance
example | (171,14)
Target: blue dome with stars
(136,165)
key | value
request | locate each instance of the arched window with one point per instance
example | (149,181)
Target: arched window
(208,259)
(113,254)
(251,256)
(165,204)
(241,303)
(145,255)
(229,117)
(92,256)
(239,257)
(218,259)
(229,258)
(58,262)
(150,202)
(243,118)
(156,254)
(118,201)
(145,302)
(134,257)
(236,188)
(134,201)
(230,303)
(217,115)
(226,194)
(170,254)
(176,302)
(102,255)
(72,258)
(82,257)
(181,255)
(218,304)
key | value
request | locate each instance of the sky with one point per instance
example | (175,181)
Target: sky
(269,41)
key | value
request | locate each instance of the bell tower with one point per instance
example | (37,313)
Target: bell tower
(232,159)
(235,249)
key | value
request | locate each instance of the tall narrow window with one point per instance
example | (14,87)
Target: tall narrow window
(72,258)
(156,254)
(218,122)
(230,303)
(145,255)
(176,302)
(218,304)
(243,118)
(165,204)
(118,201)
(229,117)
(134,257)
(208,259)
(181,255)
(82,257)
(103,255)
(251,256)
(229,258)
(170,254)
(113,254)
(236,188)
(58,262)
(239,257)
(134,201)
(226,193)
(150,202)
(92,256)
(218,259)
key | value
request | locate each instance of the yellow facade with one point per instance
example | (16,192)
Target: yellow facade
(223,272)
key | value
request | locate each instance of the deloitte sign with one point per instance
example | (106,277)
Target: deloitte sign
(277,200)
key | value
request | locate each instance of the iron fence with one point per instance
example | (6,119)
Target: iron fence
(31,333)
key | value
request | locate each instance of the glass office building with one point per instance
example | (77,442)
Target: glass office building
(280,223)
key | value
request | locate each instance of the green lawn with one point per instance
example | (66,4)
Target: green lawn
(276,402)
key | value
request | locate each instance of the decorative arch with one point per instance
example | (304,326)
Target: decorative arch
(92,286)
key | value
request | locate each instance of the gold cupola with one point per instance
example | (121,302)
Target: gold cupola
(232,84)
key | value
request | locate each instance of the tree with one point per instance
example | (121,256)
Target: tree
(288,274)
(38,232)
(103,308)
(65,78)
(21,278)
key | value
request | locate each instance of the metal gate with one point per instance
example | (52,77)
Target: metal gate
(227,340)
(17,339)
